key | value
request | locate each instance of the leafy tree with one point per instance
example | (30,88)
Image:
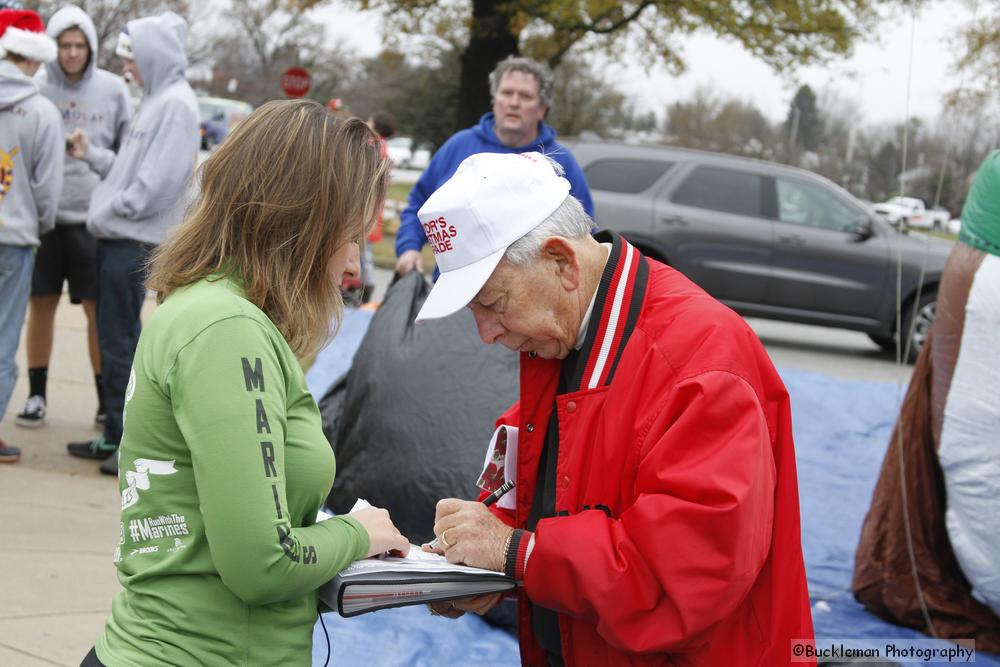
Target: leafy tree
(259,39)
(744,130)
(374,84)
(689,122)
(783,34)
(885,166)
(642,122)
(710,122)
(414,94)
(979,63)
(586,101)
(250,41)
(803,124)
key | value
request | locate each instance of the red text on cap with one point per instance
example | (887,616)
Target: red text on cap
(439,234)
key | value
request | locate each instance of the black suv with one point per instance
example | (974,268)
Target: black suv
(767,239)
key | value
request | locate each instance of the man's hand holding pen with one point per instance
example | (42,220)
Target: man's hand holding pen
(488,527)
(467,532)
(485,539)
(487,501)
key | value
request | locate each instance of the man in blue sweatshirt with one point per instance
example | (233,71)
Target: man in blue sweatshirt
(522,97)
(96,101)
(31,168)
(139,200)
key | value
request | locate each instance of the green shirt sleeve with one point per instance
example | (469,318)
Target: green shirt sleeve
(981,215)
(229,391)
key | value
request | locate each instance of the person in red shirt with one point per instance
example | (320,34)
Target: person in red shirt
(655,518)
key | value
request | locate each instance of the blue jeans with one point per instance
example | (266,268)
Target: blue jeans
(16,263)
(121,272)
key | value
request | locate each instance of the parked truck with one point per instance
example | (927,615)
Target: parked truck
(940,217)
(906,212)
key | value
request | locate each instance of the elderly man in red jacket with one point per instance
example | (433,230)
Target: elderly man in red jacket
(655,518)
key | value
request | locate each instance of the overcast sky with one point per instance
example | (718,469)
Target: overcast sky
(875,77)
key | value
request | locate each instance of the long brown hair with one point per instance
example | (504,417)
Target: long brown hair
(287,188)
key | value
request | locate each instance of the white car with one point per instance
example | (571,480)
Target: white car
(406,154)
(421,157)
(905,212)
(400,151)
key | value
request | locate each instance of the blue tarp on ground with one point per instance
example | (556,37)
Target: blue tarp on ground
(334,360)
(410,636)
(841,431)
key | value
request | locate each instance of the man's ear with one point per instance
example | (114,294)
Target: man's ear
(562,254)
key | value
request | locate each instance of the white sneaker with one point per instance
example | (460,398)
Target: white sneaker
(33,414)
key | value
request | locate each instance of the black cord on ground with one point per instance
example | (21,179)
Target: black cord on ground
(327,635)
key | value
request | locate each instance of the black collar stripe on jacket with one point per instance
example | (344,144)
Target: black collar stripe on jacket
(614,317)
(616,309)
(640,277)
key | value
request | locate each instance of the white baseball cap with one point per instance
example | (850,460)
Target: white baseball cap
(491,201)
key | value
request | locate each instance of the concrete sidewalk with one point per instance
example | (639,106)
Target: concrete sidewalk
(58,515)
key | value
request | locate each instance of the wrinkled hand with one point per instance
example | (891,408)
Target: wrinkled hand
(410,260)
(76,144)
(478,604)
(383,536)
(468,533)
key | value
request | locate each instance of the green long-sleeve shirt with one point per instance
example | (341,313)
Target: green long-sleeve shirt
(223,465)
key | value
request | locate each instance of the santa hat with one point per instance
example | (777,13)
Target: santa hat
(23,33)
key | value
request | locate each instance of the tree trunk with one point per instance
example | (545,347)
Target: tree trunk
(490,41)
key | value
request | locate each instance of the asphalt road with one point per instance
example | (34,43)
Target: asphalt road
(844,354)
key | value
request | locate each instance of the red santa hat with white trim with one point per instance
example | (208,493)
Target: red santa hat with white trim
(23,33)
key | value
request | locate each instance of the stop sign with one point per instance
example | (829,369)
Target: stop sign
(295,81)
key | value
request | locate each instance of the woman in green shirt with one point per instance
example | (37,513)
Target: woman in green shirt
(223,463)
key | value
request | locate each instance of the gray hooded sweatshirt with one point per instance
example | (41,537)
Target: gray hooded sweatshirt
(99,104)
(143,188)
(31,159)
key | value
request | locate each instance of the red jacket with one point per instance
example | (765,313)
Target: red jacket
(676,540)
